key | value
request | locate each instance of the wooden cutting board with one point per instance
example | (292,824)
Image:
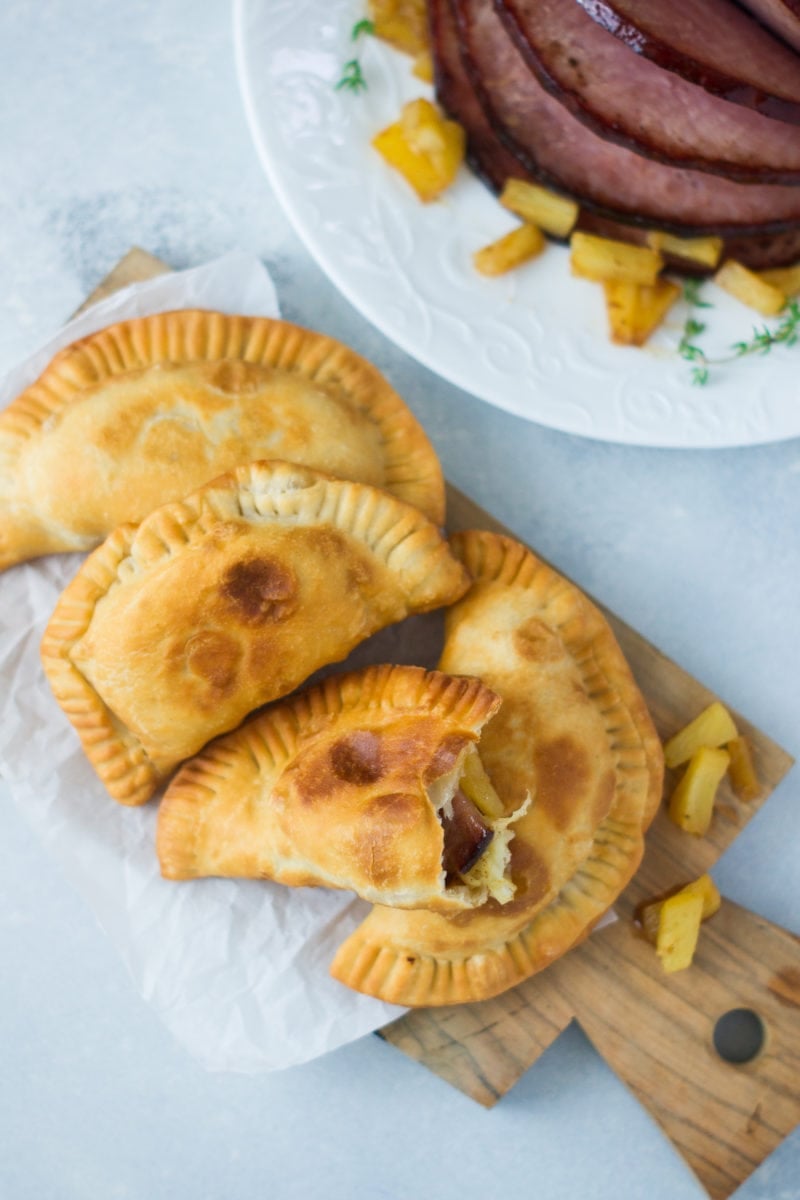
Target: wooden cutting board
(655,1030)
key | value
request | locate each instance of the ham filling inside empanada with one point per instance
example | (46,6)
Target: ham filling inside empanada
(476,831)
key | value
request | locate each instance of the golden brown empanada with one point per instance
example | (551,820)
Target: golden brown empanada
(359,782)
(573,732)
(147,410)
(173,631)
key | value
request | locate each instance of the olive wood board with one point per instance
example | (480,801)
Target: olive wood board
(654,1029)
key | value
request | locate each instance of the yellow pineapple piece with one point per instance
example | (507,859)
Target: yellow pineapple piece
(678,930)
(635,310)
(401,23)
(707,890)
(514,248)
(704,251)
(713,727)
(608,261)
(691,805)
(424,147)
(477,786)
(742,772)
(750,288)
(649,915)
(786,279)
(423,66)
(539,206)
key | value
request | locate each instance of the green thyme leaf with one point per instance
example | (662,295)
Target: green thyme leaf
(691,294)
(352,77)
(763,339)
(361,28)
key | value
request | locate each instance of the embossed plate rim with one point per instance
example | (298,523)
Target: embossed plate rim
(375,242)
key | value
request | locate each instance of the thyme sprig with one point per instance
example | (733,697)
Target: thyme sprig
(687,348)
(786,333)
(362,28)
(352,78)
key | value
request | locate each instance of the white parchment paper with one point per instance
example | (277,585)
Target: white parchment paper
(238,970)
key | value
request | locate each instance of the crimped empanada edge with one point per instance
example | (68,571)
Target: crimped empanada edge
(587,634)
(270,740)
(399,974)
(395,532)
(412,468)
(114,751)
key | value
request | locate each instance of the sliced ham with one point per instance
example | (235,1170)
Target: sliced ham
(555,148)
(781,16)
(630,100)
(494,163)
(487,155)
(711,43)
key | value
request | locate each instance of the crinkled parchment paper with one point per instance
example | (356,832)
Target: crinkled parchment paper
(238,970)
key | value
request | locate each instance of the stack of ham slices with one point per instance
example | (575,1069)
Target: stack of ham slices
(651,115)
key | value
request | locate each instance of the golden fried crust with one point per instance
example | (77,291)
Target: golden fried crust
(330,787)
(573,732)
(172,632)
(147,410)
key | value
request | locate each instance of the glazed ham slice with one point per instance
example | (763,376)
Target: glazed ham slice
(558,150)
(627,99)
(781,16)
(494,163)
(711,43)
(488,157)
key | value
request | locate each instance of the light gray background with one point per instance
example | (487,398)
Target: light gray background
(121,124)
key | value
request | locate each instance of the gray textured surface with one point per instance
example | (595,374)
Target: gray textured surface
(122,125)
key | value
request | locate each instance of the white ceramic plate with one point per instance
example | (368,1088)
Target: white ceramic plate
(533,342)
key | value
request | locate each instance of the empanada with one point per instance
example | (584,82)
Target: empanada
(574,733)
(147,410)
(173,631)
(359,782)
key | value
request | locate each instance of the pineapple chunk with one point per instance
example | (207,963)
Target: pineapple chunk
(707,890)
(787,279)
(742,772)
(635,310)
(553,213)
(691,805)
(750,288)
(607,261)
(517,247)
(678,930)
(713,727)
(704,887)
(424,147)
(401,23)
(477,786)
(423,66)
(704,251)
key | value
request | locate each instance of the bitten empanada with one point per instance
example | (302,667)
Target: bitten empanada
(173,631)
(147,410)
(574,734)
(360,782)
